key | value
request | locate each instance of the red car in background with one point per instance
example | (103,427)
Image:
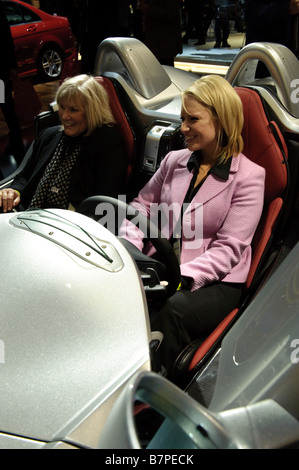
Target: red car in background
(43,42)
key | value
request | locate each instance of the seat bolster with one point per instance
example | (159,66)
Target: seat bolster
(122,122)
(211,339)
(263,235)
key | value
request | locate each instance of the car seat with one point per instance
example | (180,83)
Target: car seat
(122,123)
(50,118)
(265,145)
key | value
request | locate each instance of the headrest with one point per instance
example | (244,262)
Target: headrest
(119,116)
(263,143)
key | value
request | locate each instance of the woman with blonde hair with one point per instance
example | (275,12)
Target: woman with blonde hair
(82,157)
(219,193)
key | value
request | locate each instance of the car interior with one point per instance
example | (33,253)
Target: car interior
(268,141)
(263,144)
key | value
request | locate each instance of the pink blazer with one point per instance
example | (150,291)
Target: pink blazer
(218,224)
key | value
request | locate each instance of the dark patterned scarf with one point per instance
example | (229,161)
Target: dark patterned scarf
(53,188)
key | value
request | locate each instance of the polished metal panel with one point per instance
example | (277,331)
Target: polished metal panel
(154,90)
(70,236)
(257,358)
(282,64)
(73,331)
(143,69)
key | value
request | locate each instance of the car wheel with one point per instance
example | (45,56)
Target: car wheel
(50,63)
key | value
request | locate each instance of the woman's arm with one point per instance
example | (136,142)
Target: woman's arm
(150,194)
(37,150)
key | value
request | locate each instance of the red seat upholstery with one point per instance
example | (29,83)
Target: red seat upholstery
(263,144)
(122,122)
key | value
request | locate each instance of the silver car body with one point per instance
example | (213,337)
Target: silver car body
(74,327)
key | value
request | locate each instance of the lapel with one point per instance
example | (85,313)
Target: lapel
(213,186)
(46,154)
(181,180)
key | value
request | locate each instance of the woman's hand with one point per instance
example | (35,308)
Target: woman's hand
(9,198)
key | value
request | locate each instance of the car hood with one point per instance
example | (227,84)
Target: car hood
(69,340)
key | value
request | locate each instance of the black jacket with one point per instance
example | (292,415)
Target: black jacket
(99,170)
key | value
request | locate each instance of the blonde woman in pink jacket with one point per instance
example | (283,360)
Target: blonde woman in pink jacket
(216,194)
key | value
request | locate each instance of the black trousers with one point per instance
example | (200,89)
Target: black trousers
(196,19)
(221,30)
(187,316)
